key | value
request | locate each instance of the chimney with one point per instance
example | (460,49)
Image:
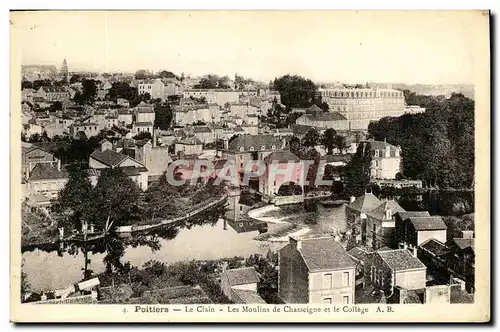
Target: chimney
(388,214)
(58,164)
(458,281)
(296,242)
(414,252)
(226,143)
(352,199)
(155,134)
(467,234)
(405,245)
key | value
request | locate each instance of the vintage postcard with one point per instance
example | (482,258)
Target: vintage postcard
(250,166)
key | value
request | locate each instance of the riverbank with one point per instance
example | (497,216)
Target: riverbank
(202,207)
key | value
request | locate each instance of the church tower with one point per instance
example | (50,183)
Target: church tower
(64,71)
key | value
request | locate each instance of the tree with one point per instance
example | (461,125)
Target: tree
(26,85)
(357,176)
(295,145)
(311,138)
(340,143)
(117,197)
(77,196)
(140,98)
(163,116)
(160,201)
(166,74)
(122,90)
(56,106)
(295,91)
(142,74)
(438,145)
(143,135)
(328,140)
(74,79)
(88,94)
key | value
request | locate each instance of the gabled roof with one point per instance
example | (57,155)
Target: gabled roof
(464,243)
(47,171)
(357,253)
(400,259)
(143,124)
(435,247)
(459,295)
(242,276)
(255,141)
(248,296)
(314,108)
(108,157)
(281,157)
(201,129)
(379,212)
(379,145)
(407,214)
(365,203)
(324,254)
(427,223)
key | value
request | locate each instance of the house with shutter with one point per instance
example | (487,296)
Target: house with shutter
(414,228)
(316,270)
(356,212)
(105,157)
(386,269)
(380,225)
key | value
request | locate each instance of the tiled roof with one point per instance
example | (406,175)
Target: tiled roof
(408,214)
(248,296)
(281,157)
(190,141)
(464,243)
(145,109)
(458,295)
(314,108)
(242,276)
(379,212)
(331,158)
(201,129)
(427,223)
(357,253)
(143,124)
(379,145)
(133,171)
(400,259)
(47,171)
(434,246)
(325,254)
(255,141)
(108,157)
(365,203)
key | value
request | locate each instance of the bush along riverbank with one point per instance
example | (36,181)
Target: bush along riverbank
(184,282)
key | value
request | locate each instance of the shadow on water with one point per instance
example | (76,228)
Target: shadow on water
(114,246)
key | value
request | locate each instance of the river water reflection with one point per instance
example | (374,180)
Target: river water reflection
(49,269)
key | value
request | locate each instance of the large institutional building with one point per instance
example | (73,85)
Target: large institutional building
(360,106)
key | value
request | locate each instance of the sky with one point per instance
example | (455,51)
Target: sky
(326,46)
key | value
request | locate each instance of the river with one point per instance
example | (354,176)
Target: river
(49,269)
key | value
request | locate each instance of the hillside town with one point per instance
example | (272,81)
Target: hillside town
(378,205)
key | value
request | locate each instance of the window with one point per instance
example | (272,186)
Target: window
(242,149)
(273,147)
(345,299)
(345,278)
(327,280)
(372,273)
(263,147)
(327,300)
(241,208)
(252,148)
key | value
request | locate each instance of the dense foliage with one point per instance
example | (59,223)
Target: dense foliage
(295,91)
(438,145)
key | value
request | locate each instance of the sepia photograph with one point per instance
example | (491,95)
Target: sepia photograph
(280,165)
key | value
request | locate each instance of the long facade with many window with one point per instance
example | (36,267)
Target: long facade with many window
(360,106)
